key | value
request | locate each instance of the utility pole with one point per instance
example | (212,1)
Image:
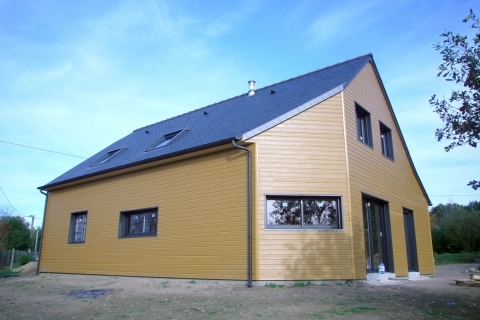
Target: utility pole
(33,219)
(31,229)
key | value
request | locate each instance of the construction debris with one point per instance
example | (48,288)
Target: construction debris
(474,281)
(92,294)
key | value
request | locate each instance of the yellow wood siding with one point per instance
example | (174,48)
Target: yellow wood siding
(202,221)
(303,155)
(376,175)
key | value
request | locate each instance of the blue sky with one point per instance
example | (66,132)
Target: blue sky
(76,76)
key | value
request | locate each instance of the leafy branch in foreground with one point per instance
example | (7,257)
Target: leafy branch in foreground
(461,112)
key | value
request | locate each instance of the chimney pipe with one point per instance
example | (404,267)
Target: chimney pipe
(251,90)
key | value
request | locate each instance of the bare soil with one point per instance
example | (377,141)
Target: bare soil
(57,296)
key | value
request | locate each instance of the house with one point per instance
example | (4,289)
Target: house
(305,179)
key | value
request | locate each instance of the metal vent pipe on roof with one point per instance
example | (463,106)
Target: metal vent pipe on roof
(251,90)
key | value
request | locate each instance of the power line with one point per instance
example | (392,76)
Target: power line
(21,145)
(9,200)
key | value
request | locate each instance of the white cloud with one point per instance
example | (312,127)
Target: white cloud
(31,78)
(343,20)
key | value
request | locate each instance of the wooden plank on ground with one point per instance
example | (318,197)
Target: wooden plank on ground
(468,283)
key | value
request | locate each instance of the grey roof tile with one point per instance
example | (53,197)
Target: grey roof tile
(241,116)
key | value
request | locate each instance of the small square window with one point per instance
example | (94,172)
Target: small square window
(138,223)
(78,227)
(309,212)
(364,126)
(165,140)
(386,141)
(109,155)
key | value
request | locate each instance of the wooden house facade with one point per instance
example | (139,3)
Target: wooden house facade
(306,179)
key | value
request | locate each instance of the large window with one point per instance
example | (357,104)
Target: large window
(309,212)
(386,140)
(78,227)
(364,126)
(138,223)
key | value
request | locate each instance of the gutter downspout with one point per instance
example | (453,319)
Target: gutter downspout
(43,230)
(249,201)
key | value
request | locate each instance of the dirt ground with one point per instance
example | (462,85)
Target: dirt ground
(57,296)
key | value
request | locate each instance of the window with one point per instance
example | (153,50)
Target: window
(109,155)
(386,140)
(138,223)
(364,127)
(309,212)
(78,226)
(165,140)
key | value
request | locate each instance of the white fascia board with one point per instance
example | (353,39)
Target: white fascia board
(292,113)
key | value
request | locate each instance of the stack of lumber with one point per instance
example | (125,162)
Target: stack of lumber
(474,281)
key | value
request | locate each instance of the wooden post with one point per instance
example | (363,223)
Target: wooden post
(13,257)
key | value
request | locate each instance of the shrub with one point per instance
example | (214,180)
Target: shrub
(25,258)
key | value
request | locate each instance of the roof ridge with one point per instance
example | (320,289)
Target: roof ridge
(267,86)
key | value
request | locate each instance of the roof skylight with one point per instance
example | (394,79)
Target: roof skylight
(165,140)
(109,155)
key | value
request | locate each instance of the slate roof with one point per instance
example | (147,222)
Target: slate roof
(237,118)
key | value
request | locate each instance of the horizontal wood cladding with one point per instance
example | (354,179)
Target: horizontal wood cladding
(374,174)
(304,155)
(202,221)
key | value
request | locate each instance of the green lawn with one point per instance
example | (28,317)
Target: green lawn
(451,258)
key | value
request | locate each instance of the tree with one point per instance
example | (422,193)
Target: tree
(14,233)
(461,113)
(455,227)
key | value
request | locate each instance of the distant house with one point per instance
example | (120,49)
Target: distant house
(306,179)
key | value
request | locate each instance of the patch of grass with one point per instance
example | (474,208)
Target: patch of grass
(354,310)
(439,313)
(324,284)
(192,282)
(8,272)
(452,258)
(272,285)
(319,315)
(302,284)
(165,284)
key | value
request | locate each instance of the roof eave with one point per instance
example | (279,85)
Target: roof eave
(400,133)
(137,163)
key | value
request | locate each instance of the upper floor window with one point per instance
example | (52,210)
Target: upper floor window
(165,140)
(386,141)
(78,227)
(142,222)
(364,126)
(309,212)
(107,156)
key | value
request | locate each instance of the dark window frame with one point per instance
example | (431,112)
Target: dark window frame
(386,141)
(364,126)
(73,231)
(301,203)
(125,227)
